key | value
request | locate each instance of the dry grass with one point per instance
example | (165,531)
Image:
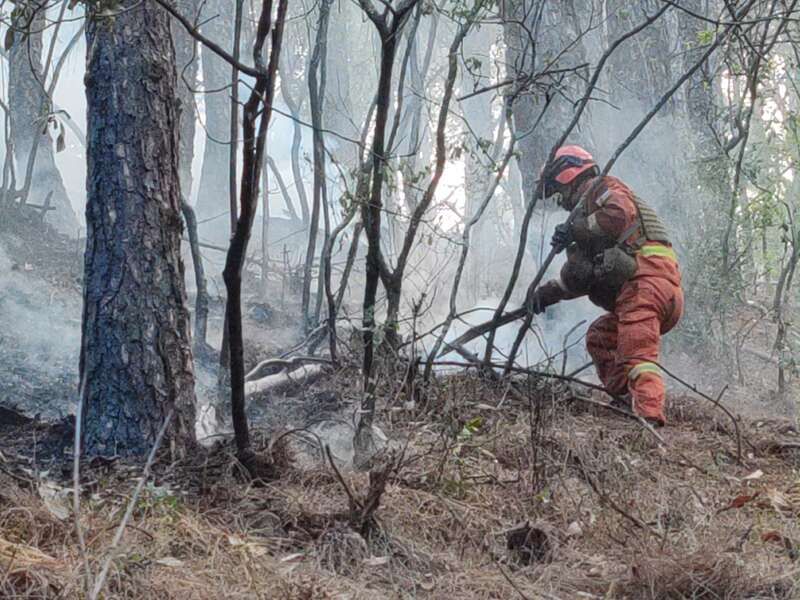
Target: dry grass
(618,516)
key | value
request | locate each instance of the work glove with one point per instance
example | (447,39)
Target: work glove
(563,236)
(533,301)
(537,299)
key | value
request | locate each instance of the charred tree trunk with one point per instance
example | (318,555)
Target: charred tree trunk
(201,284)
(30,107)
(136,358)
(256,117)
(371,217)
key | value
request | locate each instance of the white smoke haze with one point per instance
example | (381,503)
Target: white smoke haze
(40,334)
(45,327)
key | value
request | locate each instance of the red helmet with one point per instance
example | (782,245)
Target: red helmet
(574,160)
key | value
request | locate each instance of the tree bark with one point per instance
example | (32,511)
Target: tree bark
(136,358)
(556,26)
(256,116)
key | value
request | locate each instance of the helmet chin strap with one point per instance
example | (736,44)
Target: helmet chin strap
(568,200)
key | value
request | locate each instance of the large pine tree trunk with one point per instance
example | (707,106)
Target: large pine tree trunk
(29,107)
(136,359)
(214,193)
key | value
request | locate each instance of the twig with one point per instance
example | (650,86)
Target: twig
(645,425)
(353,502)
(605,499)
(716,403)
(581,369)
(511,582)
(76,482)
(567,379)
(101,579)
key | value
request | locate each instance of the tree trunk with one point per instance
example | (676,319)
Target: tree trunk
(136,358)
(477,111)
(256,117)
(212,197)
(555,37)
(186,62)
(29,109)
(316,89)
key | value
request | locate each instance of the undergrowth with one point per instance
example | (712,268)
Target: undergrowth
(483,492)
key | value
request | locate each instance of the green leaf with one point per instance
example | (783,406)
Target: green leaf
(470,428)
(705,37)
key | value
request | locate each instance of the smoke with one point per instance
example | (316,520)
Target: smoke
(39,340)
(556,337)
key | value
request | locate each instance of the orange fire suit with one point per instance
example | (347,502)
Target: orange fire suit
(624,344)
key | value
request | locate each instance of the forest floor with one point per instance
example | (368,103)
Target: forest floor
(488,494)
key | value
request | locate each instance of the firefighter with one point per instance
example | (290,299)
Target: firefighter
(619,255)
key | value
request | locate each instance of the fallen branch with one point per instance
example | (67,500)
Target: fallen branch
(279,381)
(285,364)
(76,482)
(485,328)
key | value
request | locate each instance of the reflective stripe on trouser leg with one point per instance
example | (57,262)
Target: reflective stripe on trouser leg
(645,367)
(638,344)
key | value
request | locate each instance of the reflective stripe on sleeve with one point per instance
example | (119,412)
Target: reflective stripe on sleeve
(658,250)
(603,198)
(645,367)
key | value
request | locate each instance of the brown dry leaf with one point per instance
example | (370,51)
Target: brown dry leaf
(786,542)
(739,501)
(772,536)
